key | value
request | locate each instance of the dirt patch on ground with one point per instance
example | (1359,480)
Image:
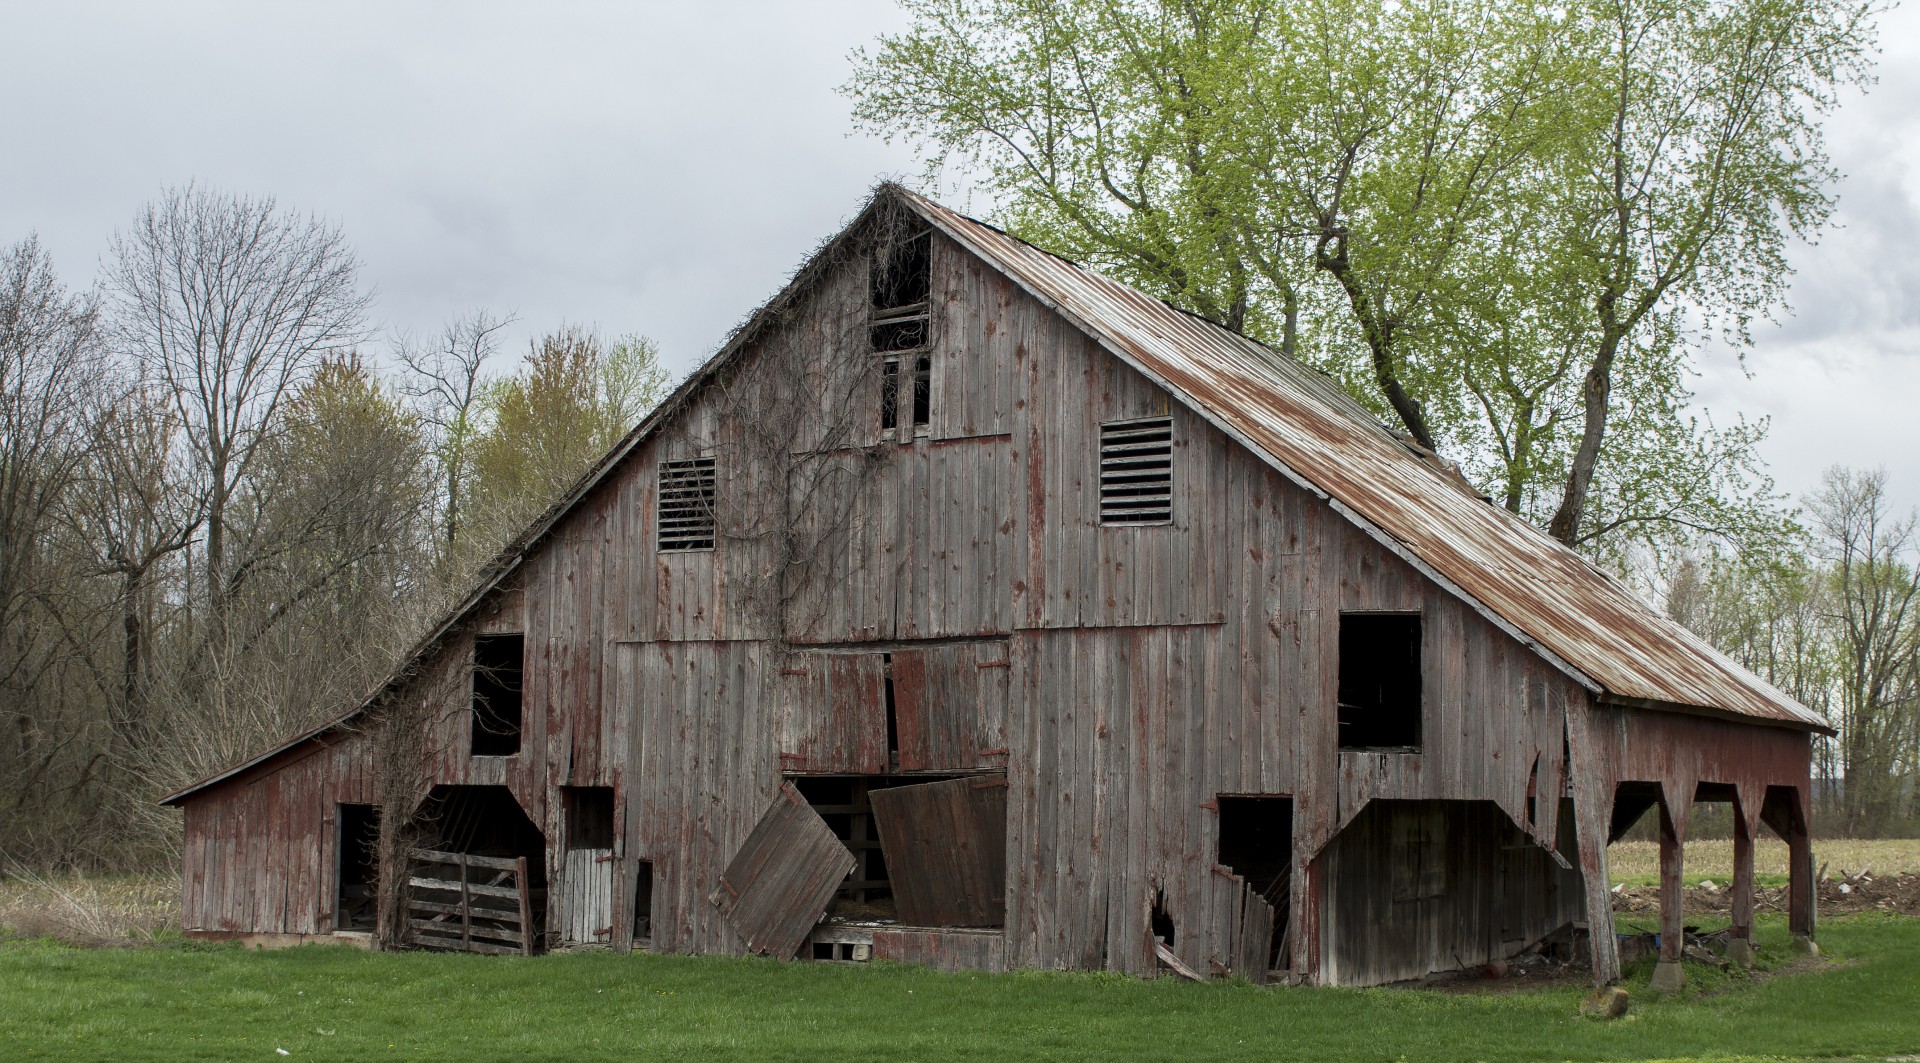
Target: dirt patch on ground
(1899,894)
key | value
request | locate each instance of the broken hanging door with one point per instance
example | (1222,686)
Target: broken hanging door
(781,881)
(946,850)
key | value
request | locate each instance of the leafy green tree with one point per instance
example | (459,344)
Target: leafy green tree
(575,396)
(1490,221)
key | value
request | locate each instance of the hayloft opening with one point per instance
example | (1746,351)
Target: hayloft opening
(902,275)
(1256,843)
(359,856)
(1380,682)
(497,670)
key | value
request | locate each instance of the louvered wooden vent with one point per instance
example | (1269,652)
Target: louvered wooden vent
(686,504)
(1136,471)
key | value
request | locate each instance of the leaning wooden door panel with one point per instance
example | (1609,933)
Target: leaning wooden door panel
(780,882)
(946,849)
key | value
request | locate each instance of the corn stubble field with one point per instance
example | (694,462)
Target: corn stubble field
(95,968)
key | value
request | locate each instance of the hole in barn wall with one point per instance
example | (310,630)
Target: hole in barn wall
(1380,686)
(1161,920)
(1256,843)
(359,854)
(498,662)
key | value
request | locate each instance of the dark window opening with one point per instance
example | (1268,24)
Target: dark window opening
(1380,682)
(643,901)
(922,391)
(589,812)
(1162,920)
(841,952)
(1136,471)
(497,663)
(684,505)
(1256,843)
(359,856)
(890,393)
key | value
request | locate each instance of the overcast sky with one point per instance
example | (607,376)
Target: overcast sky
(661,168)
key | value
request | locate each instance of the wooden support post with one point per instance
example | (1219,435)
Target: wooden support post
(1740,934)
(1667,974)
(1592,818)
(1800,885)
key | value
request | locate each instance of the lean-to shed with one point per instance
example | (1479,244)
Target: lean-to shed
(971,608)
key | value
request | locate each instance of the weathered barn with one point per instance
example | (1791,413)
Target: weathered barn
(1012,618)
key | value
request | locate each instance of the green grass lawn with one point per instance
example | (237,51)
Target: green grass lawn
(333,1003)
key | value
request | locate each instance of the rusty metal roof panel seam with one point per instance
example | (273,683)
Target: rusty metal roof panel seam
(1559,603)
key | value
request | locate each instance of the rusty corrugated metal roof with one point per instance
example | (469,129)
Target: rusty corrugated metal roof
(1302,423)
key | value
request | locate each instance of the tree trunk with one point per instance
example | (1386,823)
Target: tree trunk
(1597,392)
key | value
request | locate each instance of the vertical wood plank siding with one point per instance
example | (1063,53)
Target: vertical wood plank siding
(261,850)
(1123,677)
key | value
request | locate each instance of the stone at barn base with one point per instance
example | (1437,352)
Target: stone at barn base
(1740,952)
(1805,945)
(1668,977)
(1606,1002)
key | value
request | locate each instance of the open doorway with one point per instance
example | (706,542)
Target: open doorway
(1256,843)
(479,880)
(359,861)
(586,905)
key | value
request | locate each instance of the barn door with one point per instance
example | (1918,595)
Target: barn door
(586,879)
(588,904)
(781,881)
(946,848)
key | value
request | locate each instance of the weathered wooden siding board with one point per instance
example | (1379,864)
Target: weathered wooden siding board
(702,767)
(1079,573)
(947,850)
(586,908)
(977,332)
(950,706)
(833,713)
(945,950)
